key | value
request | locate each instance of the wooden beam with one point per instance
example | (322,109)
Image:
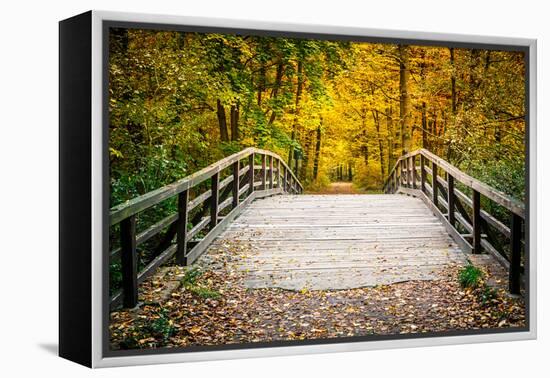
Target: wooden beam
(183,214)
(434,183)
(451,198)
(235,184)
(476,222)
(251,174)
(515,257)
(264,173)
(214,200)
(129,261)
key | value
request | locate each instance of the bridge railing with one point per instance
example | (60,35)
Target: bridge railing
(206,202)
(475,229)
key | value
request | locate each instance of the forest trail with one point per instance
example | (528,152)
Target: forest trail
(328,242)
(339,188)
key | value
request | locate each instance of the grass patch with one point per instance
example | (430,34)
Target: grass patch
(191,277)
(470,277)
(204,292)
(190,282)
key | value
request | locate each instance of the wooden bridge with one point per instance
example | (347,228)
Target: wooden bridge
(431,215)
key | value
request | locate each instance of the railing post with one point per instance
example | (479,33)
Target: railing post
(285,180)
(214,200)
(406,163)
(515,255)
(251,173)
(236,167)
(263,173)
(128,259)
(270,172)
(395,183)
(422,174)
(401,178)
(413,171)
(181,235)
(451,198)
(434,183)
(278,173)
(476,222)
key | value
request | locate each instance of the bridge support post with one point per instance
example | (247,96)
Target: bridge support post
(263,173)
(413,171)
(434,183)
(406,164)
(236,167)
(250,173)
(181,234)
(278,174)
(214,200)
(476,222)
(270,172)
(422,173)
(515,257)
(128,259)
(451,198)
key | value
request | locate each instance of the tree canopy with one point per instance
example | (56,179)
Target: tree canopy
(180,101)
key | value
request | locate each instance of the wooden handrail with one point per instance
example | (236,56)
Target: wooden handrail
(403,176)
(277,178)
(140,203)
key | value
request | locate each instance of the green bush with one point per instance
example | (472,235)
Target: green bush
(470,276)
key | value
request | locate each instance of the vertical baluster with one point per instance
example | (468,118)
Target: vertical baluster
(413,171)
(451,198)
(270,172)
(285,182)
(406,165)
(128,259)
(422,174)
(515,257)
(434,183)
(263,173)
(278,173)
(181,235)
(214,200)
(401,176)
(476,220)
(251,173)
(236,167)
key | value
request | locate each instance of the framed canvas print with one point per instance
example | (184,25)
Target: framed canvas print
(233,189)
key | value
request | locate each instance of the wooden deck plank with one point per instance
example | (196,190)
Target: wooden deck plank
(326,242)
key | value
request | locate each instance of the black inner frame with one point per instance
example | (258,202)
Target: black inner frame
(108,24)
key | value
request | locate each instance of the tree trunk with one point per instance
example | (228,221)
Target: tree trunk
(234,115)
(317,151)
(453,82)
(404,98)
(305,156)
(299,86)
(222,122)
(376,119)
(393,139)
(275,90)
(424,126)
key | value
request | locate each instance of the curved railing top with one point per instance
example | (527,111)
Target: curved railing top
(508,202)
(140,203)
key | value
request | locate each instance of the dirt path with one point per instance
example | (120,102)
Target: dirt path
(340,188)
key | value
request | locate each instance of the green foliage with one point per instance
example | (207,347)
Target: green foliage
(205,292)
(158,327)
(470,277)
(488,294)
(189,282)
(191,276)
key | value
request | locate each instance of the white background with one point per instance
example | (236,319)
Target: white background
(29,190)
